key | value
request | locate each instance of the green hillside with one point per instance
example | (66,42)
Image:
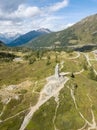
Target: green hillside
(71,106)
(82,33)
(4,47)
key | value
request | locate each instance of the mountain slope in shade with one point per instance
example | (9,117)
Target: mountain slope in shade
(81,33)
(9,37)
(2,44)
(29,36)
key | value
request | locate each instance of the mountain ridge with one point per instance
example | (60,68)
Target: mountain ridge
(82,33)
(29,36)
(8,37)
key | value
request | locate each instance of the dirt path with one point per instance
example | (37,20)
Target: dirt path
(77,73)
(94,55)
(78,55)
(88,60)
(91,126)
(50,89)
(58,103)
(15,115)
(4,107)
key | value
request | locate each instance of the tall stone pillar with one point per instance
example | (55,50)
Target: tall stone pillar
(57,71)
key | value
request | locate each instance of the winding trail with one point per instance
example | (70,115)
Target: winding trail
(94,55)
(3,110)
(50,89)
(77,73)
(16,115)
(78,55)
(88,60)
(91,126)
(4,107)
(83,128)
(58,103)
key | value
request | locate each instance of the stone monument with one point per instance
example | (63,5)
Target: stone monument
(57,71)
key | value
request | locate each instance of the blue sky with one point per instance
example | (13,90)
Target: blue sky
(25,15)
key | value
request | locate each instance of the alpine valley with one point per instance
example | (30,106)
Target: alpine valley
(48,80)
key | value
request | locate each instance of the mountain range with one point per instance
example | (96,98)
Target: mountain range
(23,39)
(1,44)
(81,33)
(9,37)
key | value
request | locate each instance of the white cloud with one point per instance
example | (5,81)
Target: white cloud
(5,23)
(21,13)
(58,6)
(25,12)
(45,22)
(55,23)
(23,18)
(10,5)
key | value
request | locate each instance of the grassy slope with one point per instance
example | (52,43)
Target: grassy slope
(67,116)
(19,72)
(84,32)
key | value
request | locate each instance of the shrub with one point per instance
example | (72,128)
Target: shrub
(72,75)
(32,60)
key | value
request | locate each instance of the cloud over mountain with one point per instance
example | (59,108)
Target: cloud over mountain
(21,16)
